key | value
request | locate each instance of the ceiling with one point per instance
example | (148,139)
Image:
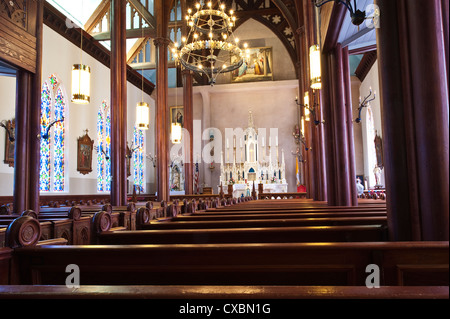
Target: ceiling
(6,70)
(355,37)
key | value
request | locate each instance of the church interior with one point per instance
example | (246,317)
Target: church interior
(224,149)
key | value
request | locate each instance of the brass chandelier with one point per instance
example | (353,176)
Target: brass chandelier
(210,47)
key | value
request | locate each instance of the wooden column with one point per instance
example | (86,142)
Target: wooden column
(118,103)
(28,102)
(330,161)
(349,124)
(414,102)
(162,120)
(23,136)
(188,101)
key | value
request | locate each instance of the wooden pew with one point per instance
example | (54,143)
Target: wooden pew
(358,233)
(285,264)
(222,292)
(253,223)
(5,265)
(285,210)
(28,231)
(280,215)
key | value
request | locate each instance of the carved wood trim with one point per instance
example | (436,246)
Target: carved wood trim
(366,64)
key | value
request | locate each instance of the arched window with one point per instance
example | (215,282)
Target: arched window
(104,148)
(138,159)
(52,143)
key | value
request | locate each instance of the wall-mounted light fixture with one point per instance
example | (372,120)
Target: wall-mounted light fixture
(357,16)
(308,108)
(9,127)
(46,134)
(365,103)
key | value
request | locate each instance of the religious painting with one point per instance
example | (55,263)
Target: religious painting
(84,154)
(177,115)
(257,66)
(10,143)
(379,150)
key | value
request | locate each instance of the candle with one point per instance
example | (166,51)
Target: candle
(365,185)
(276,140)
(240,142)
(228,145)
(263,142)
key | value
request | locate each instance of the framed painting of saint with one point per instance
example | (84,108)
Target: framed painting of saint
(177,115)
(10,143)
(257,66)
(84,154)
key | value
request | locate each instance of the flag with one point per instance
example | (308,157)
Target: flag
(196,173)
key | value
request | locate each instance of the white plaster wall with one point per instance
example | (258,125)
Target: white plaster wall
(227,106)
(357,128)
(7,112)
(371,81)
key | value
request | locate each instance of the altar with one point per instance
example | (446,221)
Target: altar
(245,189)
(250,160)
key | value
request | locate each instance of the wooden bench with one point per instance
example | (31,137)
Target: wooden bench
(359,233)
(280,215)
(253,223)
(284,264)
(222,292)
(260,210)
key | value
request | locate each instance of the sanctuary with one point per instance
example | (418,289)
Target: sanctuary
(253,162)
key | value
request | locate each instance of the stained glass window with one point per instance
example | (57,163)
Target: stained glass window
(52,148)
(104,148)
(138,159)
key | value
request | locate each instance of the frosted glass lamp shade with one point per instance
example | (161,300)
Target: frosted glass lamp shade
(306,103)
(176,133)
(315,67)
(81,83)
(142,116)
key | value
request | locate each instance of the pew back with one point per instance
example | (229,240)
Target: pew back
(341,264)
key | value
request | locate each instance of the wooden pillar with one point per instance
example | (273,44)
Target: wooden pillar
(414,107)
(188,101)
(21,154)
(349,124)
(118,103)
(162,123)
(328,132)
(28,113)
(315,101)
(340,130)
